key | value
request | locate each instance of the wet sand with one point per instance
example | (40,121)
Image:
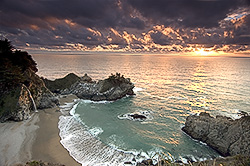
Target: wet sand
(35,139)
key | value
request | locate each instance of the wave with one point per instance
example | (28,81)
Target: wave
(96,102)
(137,89)
(96,131)
(85,148)
(233,113)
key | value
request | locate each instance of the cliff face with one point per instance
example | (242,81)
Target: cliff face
(17,102)
(21,90)
(227,136)
(43,97)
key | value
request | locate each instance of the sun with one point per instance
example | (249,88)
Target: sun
(204,52)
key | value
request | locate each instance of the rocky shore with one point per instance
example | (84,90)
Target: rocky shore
(225,135)
(35,136)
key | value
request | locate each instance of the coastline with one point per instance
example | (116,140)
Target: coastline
(35,139)
(47,146)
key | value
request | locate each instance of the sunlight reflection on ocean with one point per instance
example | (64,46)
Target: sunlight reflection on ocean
(171,88)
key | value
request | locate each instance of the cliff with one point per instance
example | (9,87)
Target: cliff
(21,90)
(227,136)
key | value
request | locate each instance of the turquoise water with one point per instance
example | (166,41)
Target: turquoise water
(169,88)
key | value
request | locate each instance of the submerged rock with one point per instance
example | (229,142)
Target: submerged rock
(227,136)
(137,116)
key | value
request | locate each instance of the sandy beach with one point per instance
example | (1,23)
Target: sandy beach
(35,139)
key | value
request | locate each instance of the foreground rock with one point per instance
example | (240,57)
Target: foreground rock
(227,136)
(110,89)
(21,90)
(40,163)
(237,160)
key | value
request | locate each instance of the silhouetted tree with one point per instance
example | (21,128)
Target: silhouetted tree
(18,58)
(13,64)
(5,47)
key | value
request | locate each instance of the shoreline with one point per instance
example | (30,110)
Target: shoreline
(47,147)
(35,139)
(38,139)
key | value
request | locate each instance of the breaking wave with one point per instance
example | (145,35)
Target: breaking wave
(85,148)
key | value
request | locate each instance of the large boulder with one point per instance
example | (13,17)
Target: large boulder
(227,136)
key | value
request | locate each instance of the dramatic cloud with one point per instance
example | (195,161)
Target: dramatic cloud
(127,25)
(189,13)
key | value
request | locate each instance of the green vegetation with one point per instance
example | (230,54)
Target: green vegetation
(61,83)
(7,100)
(41,163)
(34,163)
(113,81)
(14,66)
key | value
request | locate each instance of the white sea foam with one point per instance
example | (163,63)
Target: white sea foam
(85,148)
(232,113)
(73,110)
(96,131)
(137,89)
(66,106)
(96,102)
(147,114)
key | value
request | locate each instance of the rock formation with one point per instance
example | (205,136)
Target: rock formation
(227,136)
(21,90)
(58,85)
(112,88)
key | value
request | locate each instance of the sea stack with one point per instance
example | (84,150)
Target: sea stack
(110,89)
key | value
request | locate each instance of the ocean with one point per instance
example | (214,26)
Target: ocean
(168,88)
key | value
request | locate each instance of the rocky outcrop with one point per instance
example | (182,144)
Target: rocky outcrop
(21,90)
(110,89)
(40,163)
(43,97)
(58,85)
(227,136)
(17,102)
(86,78)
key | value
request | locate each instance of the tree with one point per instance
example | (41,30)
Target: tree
(5,47)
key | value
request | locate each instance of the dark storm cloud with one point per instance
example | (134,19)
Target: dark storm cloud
(189,13)
(58,23)
(89,13)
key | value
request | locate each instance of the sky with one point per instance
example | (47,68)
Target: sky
(135,26)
